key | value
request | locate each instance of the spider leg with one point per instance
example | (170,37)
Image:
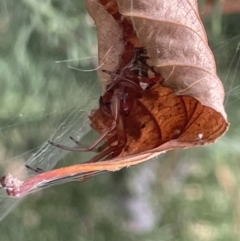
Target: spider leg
(107,143)
(121,133)
(81,145)
(37,169)
(91,146)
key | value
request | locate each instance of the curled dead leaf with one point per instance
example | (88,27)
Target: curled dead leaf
(187,105)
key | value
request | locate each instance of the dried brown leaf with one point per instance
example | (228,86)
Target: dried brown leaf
(184,110)
(110,41)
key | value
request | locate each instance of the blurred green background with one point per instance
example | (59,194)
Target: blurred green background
(180,196)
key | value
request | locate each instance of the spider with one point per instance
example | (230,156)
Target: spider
(117,102)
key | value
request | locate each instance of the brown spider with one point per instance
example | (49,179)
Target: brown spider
(117,102)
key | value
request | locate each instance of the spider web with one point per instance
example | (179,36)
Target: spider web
(47,156)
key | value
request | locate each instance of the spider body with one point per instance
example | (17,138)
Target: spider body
(116,105)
